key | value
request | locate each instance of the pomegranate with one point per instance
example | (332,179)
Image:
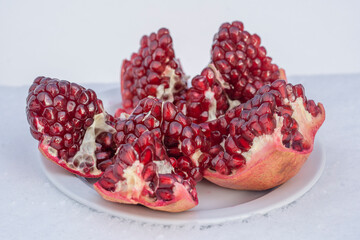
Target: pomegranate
(263,142)
(71,126)
(238,68)
(152,71)
(161,156)
(240,63)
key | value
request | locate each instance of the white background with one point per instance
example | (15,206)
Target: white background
(86,41)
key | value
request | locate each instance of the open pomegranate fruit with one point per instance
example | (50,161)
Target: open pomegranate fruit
(161,156)
(238,68)
(71,125)
(263,142)
(152,71)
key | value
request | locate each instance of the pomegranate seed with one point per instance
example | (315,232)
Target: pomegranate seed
(126,154)
(243,144)
(231,146)
(237,161)
(166,181)
(104,164)
(165,194)
(107,184)
(267,123)
(188,146)
(312,108)
(175,129)
(221,167)
(146,155)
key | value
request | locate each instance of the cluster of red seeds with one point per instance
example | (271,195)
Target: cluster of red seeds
(142,132)
(146,69)
(105,150)
(149,149)
(198,104)
(256,117)
(241,61)
(62,111)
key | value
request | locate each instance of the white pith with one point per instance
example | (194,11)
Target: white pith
(156,123)
(87,149)
(164,167)
(168,93)
(261,141)
(301,115)
(224,85)
(184,110)
(123,116)
(195,157)
(232,103)
(210,95)
(40,128)
(212,108)
(52,151)
(133,183)
(223,143)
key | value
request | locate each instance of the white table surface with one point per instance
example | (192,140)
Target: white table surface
(32,208)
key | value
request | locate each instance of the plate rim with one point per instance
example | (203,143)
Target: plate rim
(262,205)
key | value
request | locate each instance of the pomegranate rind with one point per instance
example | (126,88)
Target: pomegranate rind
(122,72)
(43,148)
(282,74)
(272,165)
(182,200)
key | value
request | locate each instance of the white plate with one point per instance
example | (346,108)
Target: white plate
(216,204)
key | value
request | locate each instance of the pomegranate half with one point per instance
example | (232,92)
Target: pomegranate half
(71,126)
(263,142)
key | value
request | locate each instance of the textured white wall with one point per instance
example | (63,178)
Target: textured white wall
(85,41)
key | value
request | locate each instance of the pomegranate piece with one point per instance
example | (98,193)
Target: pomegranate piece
(238,68)
(71,126)
(241,63)
(161,156)
(152,71)
(263,142)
